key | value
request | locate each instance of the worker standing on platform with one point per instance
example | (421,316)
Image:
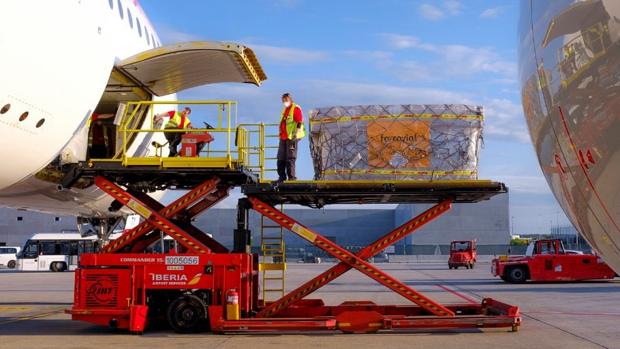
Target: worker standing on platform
(178,120)
(99,144)
(291,131)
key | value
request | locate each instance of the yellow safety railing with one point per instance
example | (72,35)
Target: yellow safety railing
(260,149)
(249,146)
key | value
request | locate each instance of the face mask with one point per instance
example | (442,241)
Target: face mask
(287,104)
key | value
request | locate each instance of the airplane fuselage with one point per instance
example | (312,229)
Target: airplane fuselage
(55,65)
(569,59)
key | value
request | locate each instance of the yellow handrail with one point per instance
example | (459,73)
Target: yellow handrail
(248,151)
(256,159)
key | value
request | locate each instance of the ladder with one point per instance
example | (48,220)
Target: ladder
(273,259)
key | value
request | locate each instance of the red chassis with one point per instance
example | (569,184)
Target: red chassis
(135,283)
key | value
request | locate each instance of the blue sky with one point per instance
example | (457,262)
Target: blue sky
(380,52)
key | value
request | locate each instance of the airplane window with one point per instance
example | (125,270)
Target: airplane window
(130,18)
(40,123)
(5,108)
(120,9)
(111,3)
(146,33)
(139,26)
(23,116)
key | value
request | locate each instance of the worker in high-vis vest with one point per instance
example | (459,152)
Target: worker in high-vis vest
(177,120)
(292,129)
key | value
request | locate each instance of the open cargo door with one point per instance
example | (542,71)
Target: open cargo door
(169,69)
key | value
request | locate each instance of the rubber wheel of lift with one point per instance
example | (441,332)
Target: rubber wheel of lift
(517,275)
(187,314)
(11,265)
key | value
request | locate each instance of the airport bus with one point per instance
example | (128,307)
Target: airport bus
(54,251)
(60,251)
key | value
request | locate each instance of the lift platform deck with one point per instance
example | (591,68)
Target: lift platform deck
(321,193)
(155,177)
(203,284)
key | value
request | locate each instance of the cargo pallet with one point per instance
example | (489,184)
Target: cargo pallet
(204,286)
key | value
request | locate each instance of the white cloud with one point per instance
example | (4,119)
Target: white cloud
(436,12)
(453,7)
(328,92)
(474,59)
(170,35)
(276,54)
(413,71)
(504,118)
(453,60)
(431,12)
(288,55)
(377,55)
(398,41)
(492,12)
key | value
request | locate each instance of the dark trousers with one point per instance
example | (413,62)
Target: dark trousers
(98,151)
(287,154)
(174,139)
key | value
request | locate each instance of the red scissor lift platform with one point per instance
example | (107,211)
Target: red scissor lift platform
(203,285)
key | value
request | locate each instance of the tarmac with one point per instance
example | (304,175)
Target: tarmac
(561,315)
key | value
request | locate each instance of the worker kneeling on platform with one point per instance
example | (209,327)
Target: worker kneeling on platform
(179,121)
(291,131)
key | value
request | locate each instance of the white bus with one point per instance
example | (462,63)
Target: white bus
(61,251)
(54,251)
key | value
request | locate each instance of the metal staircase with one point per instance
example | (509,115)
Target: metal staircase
(273,259)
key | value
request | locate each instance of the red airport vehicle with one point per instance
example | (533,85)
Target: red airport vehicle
(204,286)
(548,261)
(462,254)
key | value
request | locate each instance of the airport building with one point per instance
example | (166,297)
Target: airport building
(487,222)
(16,226)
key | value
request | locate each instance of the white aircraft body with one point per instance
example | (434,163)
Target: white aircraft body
(62,61)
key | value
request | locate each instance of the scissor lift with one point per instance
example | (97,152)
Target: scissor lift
(204,285)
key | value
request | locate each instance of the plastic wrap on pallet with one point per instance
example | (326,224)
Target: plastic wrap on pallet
(417,142)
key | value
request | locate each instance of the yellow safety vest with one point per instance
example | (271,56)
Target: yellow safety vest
(291,124)
(175,121)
